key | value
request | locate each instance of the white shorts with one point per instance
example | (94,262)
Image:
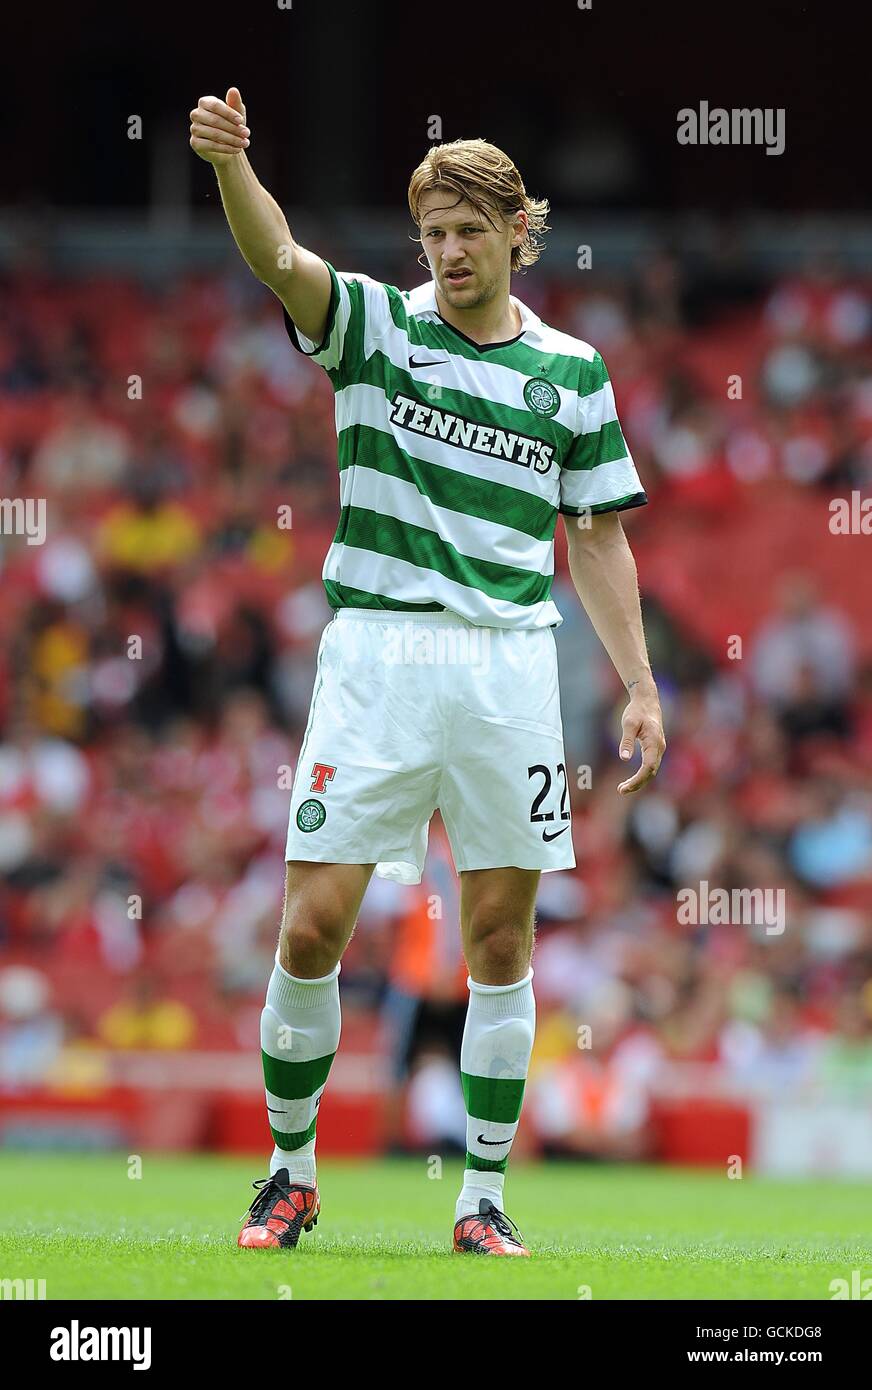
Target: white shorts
(414,711)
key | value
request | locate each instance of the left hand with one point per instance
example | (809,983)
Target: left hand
(642,720)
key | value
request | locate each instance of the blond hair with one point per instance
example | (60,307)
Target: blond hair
(480,174)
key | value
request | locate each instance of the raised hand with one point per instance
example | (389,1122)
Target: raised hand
(218,129)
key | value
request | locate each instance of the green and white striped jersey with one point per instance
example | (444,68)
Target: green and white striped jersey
(455,459)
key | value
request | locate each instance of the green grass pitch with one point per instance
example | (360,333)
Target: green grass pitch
(80,1223)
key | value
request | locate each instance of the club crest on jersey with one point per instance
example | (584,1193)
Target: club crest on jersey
(311,816)
(541,397)
(321,774)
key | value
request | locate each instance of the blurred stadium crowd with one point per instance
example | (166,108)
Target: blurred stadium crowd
(144,784)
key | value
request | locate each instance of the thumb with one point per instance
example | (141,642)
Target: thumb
(234,99)
(627,744)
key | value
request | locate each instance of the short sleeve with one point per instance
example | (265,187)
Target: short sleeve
(598,473)
(356,317)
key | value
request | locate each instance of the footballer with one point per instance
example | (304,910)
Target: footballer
(465,425)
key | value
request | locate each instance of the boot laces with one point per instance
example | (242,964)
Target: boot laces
(270,1191)
(490,1215)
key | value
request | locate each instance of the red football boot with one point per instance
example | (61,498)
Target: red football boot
(489,1233)
(279,1212)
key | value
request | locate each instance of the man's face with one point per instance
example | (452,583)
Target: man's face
(469,257)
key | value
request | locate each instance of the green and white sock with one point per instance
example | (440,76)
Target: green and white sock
(299,1035)
(494,1060)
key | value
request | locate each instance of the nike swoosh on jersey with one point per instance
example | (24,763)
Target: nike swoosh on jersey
(546,837)
(493,1143)
(440,362)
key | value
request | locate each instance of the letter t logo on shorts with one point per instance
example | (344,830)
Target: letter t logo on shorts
(321,775)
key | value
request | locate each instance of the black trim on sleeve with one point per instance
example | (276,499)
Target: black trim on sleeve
(638,499)
(291,327)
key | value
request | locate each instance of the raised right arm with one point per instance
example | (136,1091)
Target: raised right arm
(298,277)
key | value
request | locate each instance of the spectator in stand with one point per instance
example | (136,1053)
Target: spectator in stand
(80,451)
(804,644)
(31,1032)
(148,1019)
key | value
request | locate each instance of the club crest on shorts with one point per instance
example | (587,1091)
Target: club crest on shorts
(311,815)
(541,397)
